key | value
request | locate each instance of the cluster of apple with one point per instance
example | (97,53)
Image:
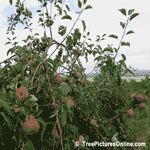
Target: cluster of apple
(140,99)
(30,125)
(26,13)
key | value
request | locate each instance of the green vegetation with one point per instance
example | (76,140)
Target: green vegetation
(136,78)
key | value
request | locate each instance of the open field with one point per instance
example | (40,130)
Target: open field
(137,79)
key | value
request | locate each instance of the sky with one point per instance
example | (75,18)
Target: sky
(104,18)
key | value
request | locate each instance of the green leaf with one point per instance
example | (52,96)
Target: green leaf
(128,102)
(67,7)
(15,43)
(106,89)
(62,30)
(84,1)
(44,124)
(12,32)
(65,89)
(59,9)
(28,145)
(84,25)
(10,50)
(14,38)
(113,36)
(88,7)
(66,17)
(29,37)
(129,32)
(108,49)
(79,4)
(24,83)
(30,24)
(24,41)
(98,58)
(90,45)
(88,33)
(97,40)
(36,34)
(57,89)
(65,12)
(64,118)
(122,24)
(33,98)
(99,47)
(7,43)
(123,63)
(69,40)
(26,101)
(38,113)
(65,58)
(104,35)
(8,38)
(45,4)
(38,11)
(41,14)
(78,12)
(118,79)
(60,1)
(98,36)
(10,1)
(128,70)
(123,11)
(123,56)
(125,43)
(7,119)
(130,11)
(40,20)
(133,16)
(4,102)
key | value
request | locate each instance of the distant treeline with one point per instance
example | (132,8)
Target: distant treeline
(136,73)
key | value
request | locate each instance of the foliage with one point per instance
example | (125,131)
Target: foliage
(69,109)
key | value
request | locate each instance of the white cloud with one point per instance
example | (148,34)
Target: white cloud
(104,18)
